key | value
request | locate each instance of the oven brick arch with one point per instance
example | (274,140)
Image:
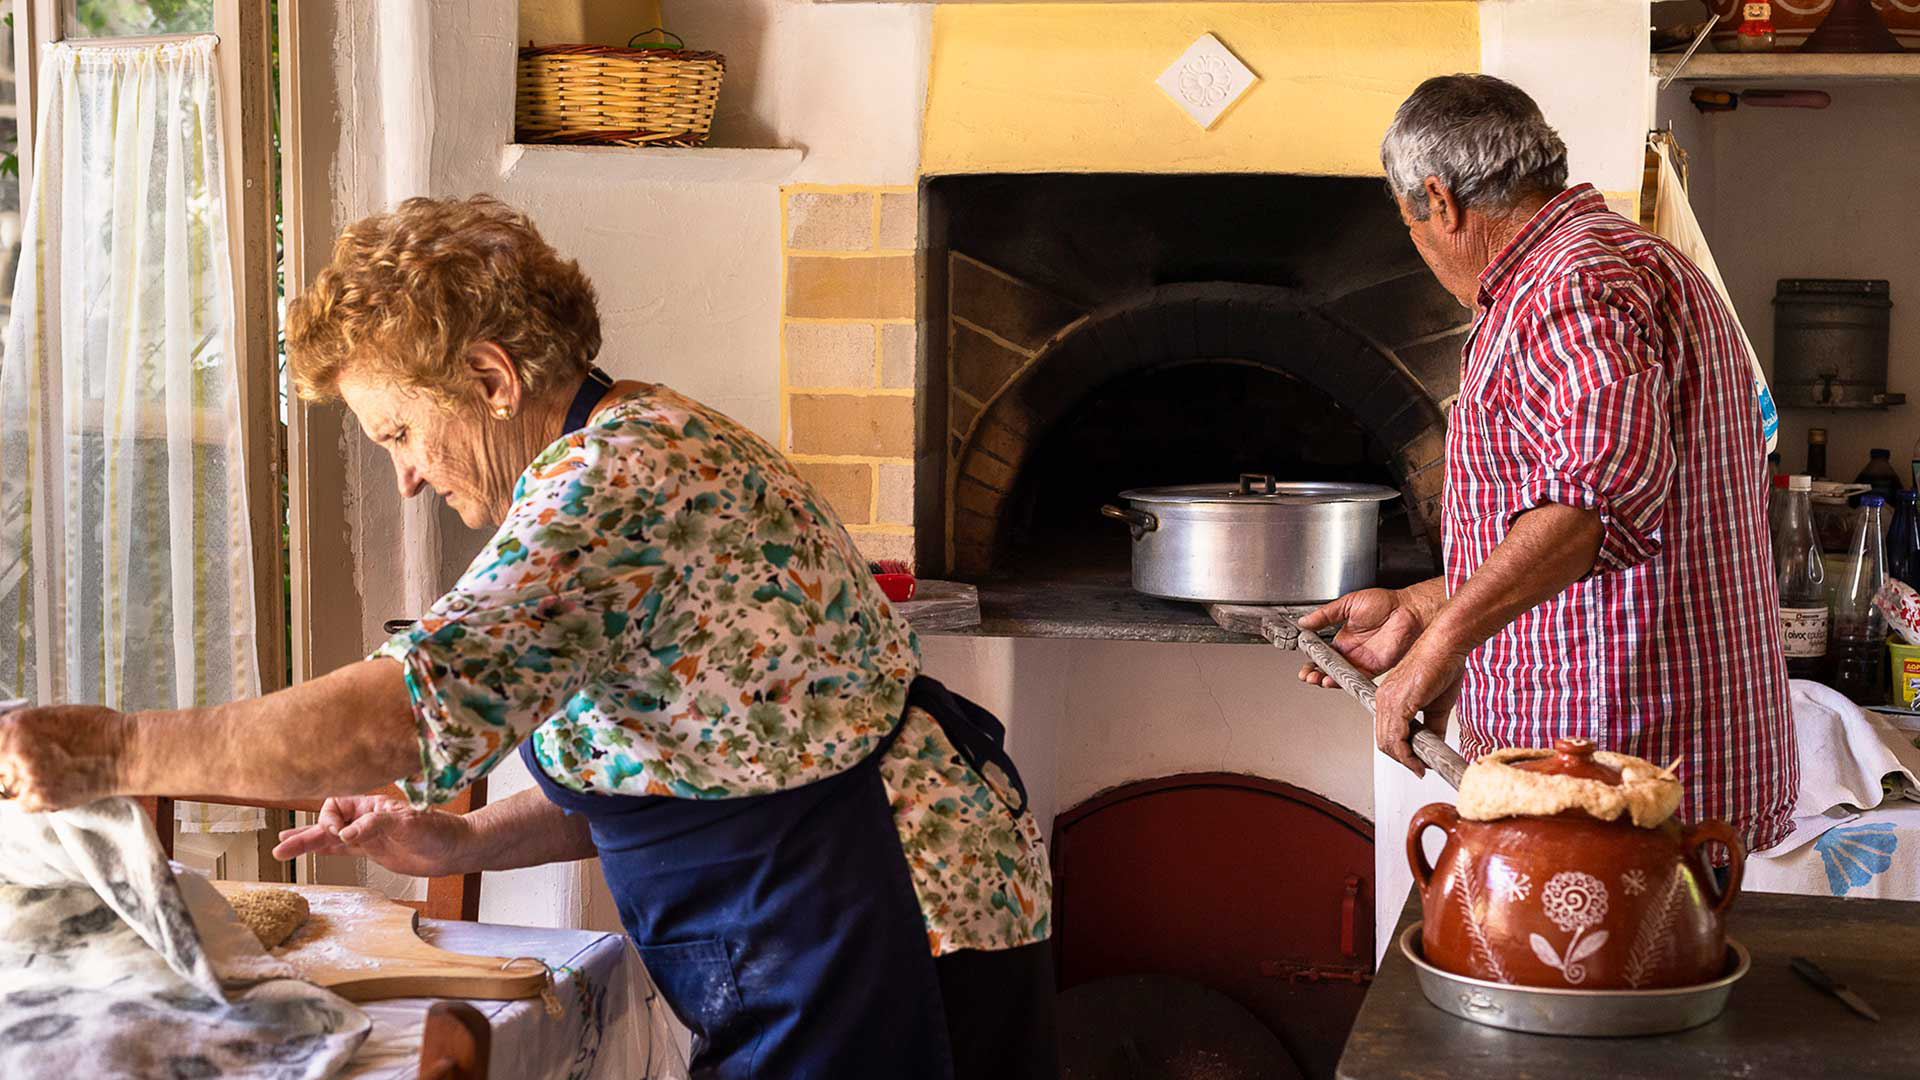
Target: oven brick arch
(998,418)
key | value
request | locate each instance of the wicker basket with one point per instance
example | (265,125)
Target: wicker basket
(608,96)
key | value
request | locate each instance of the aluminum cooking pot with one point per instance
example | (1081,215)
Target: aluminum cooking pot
(1254,542)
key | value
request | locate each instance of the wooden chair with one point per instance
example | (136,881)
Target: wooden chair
(456,896)
(456,1043)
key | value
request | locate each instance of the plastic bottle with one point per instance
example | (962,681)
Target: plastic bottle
(1859,647)
(1903,539)
(1879,472)
(1802,577)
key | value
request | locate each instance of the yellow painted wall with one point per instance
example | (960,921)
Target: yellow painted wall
(1029,87)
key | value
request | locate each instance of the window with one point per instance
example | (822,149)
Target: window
(138,18)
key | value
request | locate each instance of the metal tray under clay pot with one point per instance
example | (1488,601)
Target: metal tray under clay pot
(1549,1011)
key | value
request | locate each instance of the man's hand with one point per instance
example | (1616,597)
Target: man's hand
(1380,626)
(61,756)
(429,843)
(1428,678)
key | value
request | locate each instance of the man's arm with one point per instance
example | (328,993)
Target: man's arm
(1548,548)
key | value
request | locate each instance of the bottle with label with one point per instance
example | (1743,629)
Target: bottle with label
(1817,453)
(1801,575)
(1859,646)
(1903,538)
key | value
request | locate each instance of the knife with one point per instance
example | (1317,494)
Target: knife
(1811,972)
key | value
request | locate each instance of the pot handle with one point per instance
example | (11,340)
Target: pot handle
(1139,522)
(1697,838)
(1249,479)
(1438,814)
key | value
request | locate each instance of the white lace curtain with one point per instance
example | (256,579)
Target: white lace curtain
(125,566)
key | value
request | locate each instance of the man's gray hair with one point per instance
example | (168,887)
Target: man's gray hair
(1483,137)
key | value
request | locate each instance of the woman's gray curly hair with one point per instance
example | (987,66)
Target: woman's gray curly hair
(1483,137)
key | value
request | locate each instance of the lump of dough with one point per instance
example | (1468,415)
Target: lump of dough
(272,914)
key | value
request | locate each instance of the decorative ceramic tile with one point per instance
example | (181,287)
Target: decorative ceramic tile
(1206,80)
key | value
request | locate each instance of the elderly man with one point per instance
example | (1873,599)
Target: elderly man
(1608,572)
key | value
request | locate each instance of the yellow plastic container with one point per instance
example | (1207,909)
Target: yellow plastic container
(1906,672)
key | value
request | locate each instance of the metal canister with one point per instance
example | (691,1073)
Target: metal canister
(1830,341)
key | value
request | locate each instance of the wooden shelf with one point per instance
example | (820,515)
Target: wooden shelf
(1803,68)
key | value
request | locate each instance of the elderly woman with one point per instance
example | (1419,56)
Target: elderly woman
(824,858)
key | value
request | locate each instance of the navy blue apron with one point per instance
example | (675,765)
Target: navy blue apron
(784,929)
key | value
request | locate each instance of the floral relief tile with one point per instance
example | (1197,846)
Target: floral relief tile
(1206,80)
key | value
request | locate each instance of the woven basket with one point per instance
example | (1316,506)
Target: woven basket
(608,96)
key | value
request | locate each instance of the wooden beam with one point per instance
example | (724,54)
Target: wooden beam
(244,62)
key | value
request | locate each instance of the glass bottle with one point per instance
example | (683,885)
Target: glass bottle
(1903,539)
(1859,645)
(1879,473)
(1802,577)
(1817,453)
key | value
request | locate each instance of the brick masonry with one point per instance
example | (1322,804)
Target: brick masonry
(849,360)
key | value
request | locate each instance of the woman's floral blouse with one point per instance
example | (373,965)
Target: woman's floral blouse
(670,610)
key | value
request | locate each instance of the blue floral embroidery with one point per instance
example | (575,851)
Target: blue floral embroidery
(1857,855)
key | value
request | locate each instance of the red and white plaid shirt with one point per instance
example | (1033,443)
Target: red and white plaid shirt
(1604,372)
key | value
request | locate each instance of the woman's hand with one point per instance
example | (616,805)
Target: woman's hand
(61,756)
(1380,626)
(423,843)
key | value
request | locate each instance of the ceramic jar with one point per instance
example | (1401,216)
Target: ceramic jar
(1793,20)
(1572,901)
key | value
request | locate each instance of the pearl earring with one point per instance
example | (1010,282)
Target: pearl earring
(501,412)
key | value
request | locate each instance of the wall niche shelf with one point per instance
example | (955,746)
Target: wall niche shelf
(551,162)
(1759,69)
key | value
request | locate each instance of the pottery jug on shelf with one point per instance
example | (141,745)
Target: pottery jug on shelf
(1564,868)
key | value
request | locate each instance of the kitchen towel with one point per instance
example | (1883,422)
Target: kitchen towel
(104,971)
(1850,760)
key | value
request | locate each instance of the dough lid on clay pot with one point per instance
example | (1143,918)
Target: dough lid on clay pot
(1573,776)
(1566,868)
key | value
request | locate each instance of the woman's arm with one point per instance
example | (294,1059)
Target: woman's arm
(347,731)
(523,830)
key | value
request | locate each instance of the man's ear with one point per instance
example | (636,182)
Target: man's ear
(1442,205)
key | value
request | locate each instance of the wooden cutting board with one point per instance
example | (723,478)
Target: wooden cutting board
(364,947)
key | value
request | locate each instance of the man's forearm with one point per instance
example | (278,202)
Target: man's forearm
(1426,598)
(1548,549)
(526,829)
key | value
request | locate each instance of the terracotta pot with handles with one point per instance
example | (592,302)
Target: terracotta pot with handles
(1596,888)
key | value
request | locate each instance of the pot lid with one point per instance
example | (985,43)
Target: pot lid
(1260,487)
(1571,757)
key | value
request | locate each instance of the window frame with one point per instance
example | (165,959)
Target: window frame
(243,64)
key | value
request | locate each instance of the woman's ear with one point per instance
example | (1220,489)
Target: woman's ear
(496,380)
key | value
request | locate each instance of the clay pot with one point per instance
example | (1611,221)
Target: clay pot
(1571,901)
(1793,20)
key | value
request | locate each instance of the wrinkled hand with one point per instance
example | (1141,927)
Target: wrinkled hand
(1381,625)
(60,756)
(422,843)
(1428,679)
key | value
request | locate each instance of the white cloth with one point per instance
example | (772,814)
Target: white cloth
(1674,222)
(613,1024)
(103,970)
(1848,758)
(125,559)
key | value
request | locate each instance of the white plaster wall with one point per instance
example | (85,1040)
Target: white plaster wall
(1585,62)
(1817,193)
(1086,716)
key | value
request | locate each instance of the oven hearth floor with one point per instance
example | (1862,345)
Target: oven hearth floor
(1095,605)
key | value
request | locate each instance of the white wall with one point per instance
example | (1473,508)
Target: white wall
(1585,62)
(1817,193)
